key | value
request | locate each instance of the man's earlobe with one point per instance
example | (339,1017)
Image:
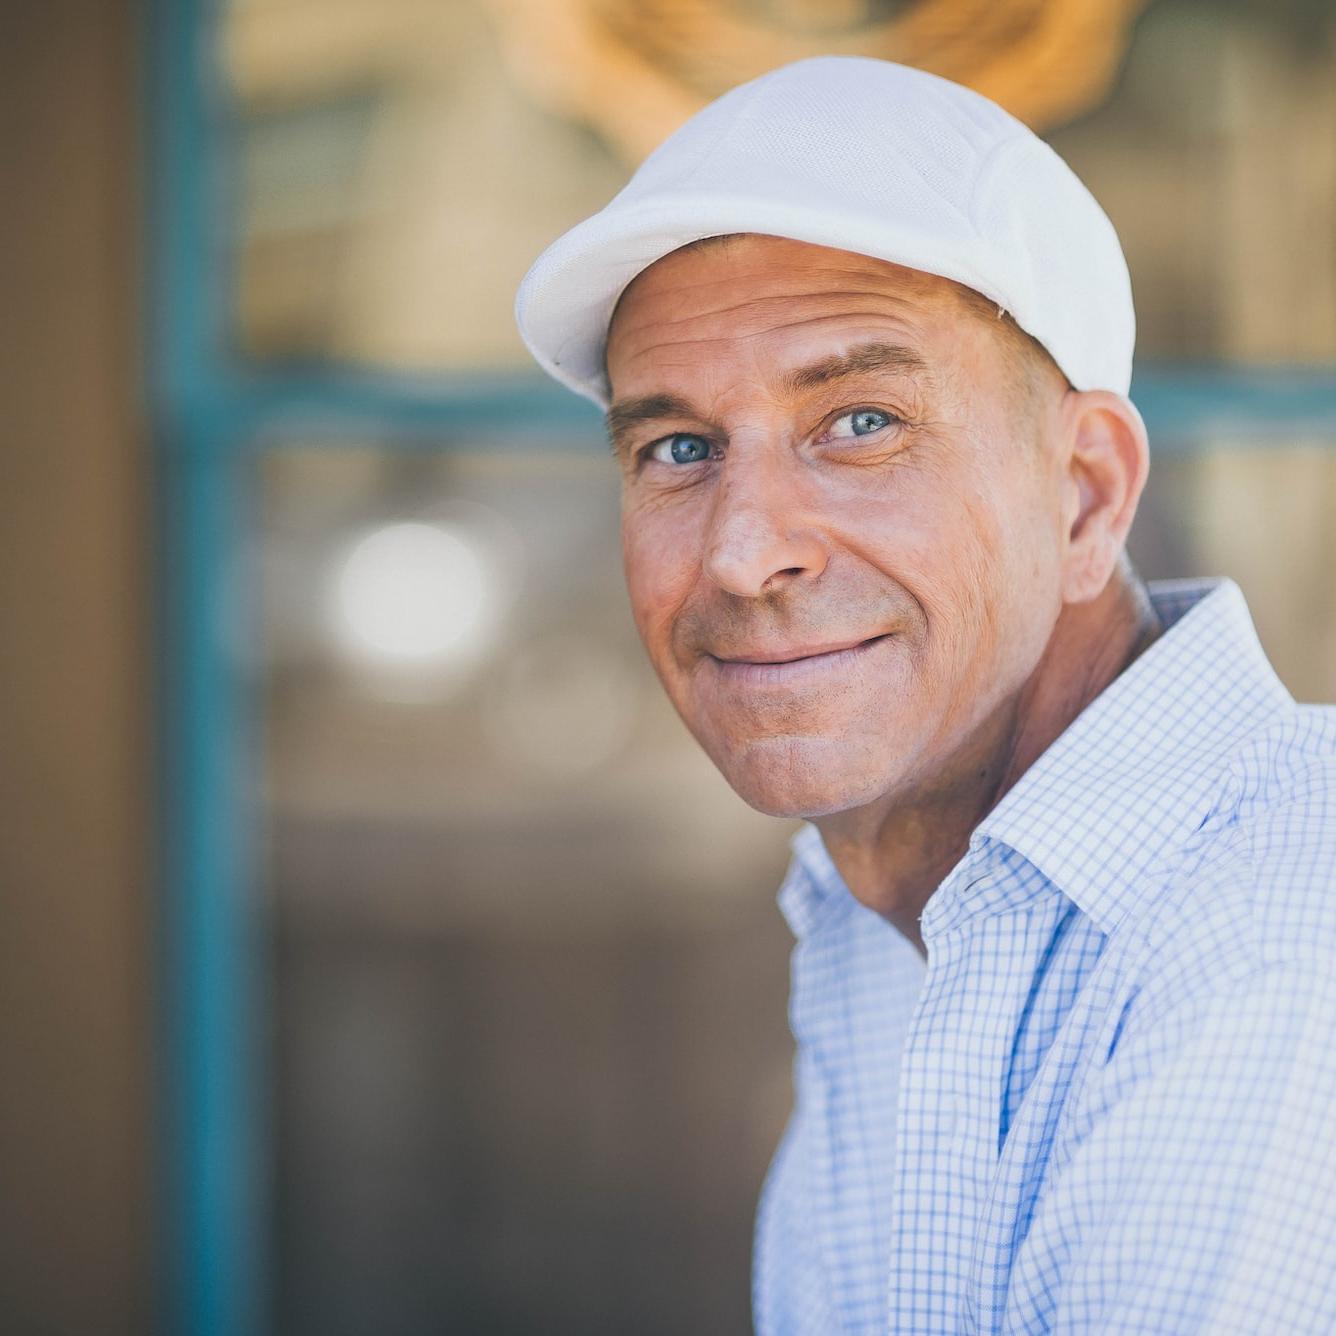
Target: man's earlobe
(1108,463)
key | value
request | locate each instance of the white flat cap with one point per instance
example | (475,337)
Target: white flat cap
(866,156)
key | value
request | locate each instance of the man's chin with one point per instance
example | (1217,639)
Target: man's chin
(802,777)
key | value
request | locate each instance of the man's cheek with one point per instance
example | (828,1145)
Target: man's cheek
(658,576)
(953,573)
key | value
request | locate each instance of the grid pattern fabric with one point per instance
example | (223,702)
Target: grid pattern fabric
(1106,1102)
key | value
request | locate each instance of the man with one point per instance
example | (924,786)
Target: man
(1063,988)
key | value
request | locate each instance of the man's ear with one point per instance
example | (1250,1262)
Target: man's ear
(1108,458)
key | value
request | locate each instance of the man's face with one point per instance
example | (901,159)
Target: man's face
(841,523)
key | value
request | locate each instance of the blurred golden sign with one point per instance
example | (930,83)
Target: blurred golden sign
(636,69)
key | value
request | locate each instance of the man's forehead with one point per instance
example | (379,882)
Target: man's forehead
(744,287)
(796,299)
(769,264)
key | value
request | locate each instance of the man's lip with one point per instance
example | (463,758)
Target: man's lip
(795,653)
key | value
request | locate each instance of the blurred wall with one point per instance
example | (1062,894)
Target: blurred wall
(74,1018)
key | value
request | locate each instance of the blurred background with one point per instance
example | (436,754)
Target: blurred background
(378,953)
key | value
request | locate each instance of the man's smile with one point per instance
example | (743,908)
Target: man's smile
(785,666)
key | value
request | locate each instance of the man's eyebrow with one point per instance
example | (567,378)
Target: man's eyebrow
(622,417)
(860,359)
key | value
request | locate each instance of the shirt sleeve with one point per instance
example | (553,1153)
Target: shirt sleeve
(1202,1196)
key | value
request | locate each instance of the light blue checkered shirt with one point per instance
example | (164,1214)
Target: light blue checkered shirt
(1107,1102)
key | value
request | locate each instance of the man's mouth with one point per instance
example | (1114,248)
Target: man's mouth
(792,654)
(783,665)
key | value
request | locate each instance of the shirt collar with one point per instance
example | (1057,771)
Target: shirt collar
(813,892)
(1129,779)
(1141,767)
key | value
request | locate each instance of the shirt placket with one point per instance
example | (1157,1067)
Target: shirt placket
(951,1079)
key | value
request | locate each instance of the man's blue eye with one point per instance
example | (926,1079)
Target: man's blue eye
(681,448)
(847,426)
(861,422)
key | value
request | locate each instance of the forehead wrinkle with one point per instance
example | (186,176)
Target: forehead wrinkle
(859,299)
(667,347)
(852,356)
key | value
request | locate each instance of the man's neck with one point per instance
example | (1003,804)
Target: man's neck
(892,860)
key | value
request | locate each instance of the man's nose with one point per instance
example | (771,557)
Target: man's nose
(762,533)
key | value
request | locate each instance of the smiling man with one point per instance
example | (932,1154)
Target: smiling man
(1063,989)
